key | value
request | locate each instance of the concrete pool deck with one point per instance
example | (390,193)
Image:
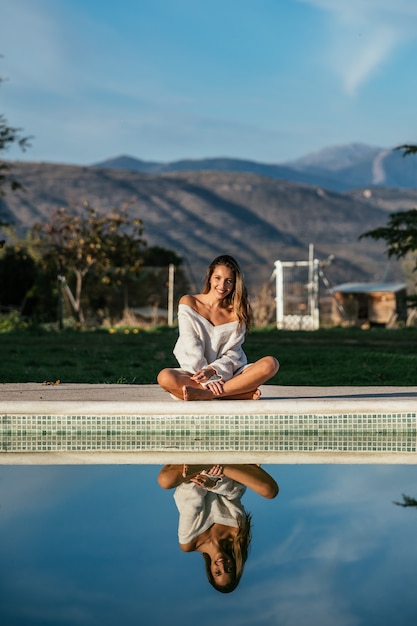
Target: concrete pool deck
(141,424)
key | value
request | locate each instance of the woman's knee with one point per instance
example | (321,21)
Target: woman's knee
(165,479)
(164,377)
(271,364)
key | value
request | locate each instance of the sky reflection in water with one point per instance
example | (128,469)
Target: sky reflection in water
(97,545)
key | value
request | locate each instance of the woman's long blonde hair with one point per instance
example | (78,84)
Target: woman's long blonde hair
(238,298)
(237,549)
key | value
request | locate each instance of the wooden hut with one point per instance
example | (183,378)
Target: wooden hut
(374,304)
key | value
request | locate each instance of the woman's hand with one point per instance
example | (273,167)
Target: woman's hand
(203,375)
(216,387)
(208,478)
(204,478)
(216,470)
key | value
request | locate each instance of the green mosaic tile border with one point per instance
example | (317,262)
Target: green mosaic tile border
(379,432)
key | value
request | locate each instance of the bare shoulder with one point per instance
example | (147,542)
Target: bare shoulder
(188,547)
(193,300)
(188,299)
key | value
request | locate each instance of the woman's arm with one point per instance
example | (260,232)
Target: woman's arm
(253,477)
(171,476)
(189,348)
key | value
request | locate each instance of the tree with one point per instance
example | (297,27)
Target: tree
(17,277)
(155,256)
(407,149)
(155,278)
(400,233)
(407,501)
(77,242)
(8,136)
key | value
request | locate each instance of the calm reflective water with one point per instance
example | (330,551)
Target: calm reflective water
(98,546)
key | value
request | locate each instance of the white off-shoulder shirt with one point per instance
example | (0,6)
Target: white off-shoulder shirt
(200,508)
(201,344)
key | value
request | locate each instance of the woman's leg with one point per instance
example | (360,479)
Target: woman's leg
(173,381)
(254,477)
(244,386)
(171,476)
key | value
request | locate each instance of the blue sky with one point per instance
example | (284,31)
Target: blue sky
(268,80)
(97,546)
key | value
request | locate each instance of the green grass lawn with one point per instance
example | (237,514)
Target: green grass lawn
(325,357)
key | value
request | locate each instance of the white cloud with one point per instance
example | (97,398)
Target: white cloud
(38,57)
(365,34)
(304,597)
(361,11)
(57,54)
(360,64)
(347,520)
(27,489)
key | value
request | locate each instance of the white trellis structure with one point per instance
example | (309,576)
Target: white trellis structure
(297,293)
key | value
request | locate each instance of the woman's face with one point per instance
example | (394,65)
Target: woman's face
(222,569)
(222,281)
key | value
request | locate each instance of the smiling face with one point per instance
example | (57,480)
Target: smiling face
(222,569)
(222,281)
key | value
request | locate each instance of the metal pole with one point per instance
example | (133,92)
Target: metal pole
(316,313)
(171,272)
(310,279)
(279,293)
(60,304)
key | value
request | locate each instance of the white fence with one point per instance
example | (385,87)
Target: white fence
(297,294)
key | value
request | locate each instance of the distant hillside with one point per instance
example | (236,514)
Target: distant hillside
(202,214)
(386,198)
(337,168)
(280,172)
(334,158)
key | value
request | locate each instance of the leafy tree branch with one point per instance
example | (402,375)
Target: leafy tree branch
(400,233)
(407,149)
(407,501)
(9,135)
(76,242)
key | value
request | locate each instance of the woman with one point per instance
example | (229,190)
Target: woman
(212,328)
(212,519)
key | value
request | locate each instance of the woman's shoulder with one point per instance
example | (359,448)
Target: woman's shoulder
(195,301)
(189,300)
(199,543)
(188,547)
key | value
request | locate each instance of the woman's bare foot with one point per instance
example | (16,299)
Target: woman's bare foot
(193,393)
(247,395)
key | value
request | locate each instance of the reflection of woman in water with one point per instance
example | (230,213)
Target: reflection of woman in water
(212,327)
(212,519)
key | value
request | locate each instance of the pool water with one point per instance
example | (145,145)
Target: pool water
(97,545)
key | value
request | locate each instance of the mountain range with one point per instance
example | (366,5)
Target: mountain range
(338,168)
(200,212)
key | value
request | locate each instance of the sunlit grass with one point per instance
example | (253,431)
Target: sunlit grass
(325,357)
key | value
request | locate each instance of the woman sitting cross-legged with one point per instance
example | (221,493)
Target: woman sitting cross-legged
(212,519)
(212,329)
